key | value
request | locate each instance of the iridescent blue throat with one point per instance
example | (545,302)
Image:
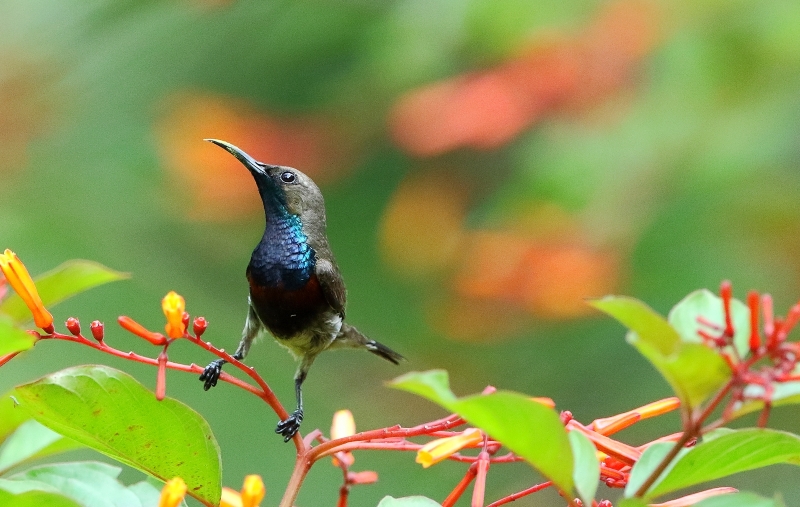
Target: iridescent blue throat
(283,258)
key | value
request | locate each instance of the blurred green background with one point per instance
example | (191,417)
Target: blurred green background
(487,165)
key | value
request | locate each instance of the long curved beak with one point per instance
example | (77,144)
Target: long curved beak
(249,162)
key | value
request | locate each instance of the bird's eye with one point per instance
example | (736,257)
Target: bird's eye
(288,177)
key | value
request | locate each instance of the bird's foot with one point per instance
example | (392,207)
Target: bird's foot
(289,426)
(211,374)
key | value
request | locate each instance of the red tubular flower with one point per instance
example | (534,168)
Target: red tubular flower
(726,293)
(755,336)
(139,330)
(17,276)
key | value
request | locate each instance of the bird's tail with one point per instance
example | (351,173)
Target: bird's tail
(351,337)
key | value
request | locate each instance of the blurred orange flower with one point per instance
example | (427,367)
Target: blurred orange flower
(442,448)
(487,109)
(218,187)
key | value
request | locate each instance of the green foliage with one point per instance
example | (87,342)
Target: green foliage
(65,281)
(109,411)
(528,428)
(722,453)
(33,498)
(693,370)
(13,339)
(704,303)
(90,484)
(32,441)
(587,471)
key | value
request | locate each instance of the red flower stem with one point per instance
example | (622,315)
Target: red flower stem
(479,491)
(691,431)
(520,494)
(8,357)
(265,393)
(390,432)
(462,486)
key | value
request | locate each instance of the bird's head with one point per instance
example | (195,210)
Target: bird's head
(281,185)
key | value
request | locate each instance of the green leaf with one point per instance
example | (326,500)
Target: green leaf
(110,411)
(641,320)
(34,499)
(722,453)
(650,459)
(586,473)
(409,501)
(91,484)
(744,499)
(12,338)
(68,279)
(528,428)
(30,441)
(692,370)
(11,416)
(703,303)
(632,502)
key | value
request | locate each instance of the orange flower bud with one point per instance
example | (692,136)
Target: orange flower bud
(174,305)
(437,450)
(173,493)
(547,402)
(253,491)
(20,280)
(658,407)
(134,327)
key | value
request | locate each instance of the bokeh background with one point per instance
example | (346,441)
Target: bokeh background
(487,165)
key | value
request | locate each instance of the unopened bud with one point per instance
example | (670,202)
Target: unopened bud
(565,416)
(185,319)
(74,326)
(199,326)
(604,503)
(97,330)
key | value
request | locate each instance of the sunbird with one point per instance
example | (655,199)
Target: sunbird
(296,290)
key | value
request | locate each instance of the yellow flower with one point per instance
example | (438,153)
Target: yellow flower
(343,424)
(253,492)
(173,493)
(230,498)
(17,276)
(174,305)
(442,448)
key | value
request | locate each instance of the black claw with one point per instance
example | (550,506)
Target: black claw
(289,426)
(211,374)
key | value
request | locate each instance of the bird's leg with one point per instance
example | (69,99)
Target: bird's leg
(289,426)
(252,326)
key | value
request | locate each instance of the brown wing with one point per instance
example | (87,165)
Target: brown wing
(332,285)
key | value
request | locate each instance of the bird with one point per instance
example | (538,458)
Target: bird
(296,289)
